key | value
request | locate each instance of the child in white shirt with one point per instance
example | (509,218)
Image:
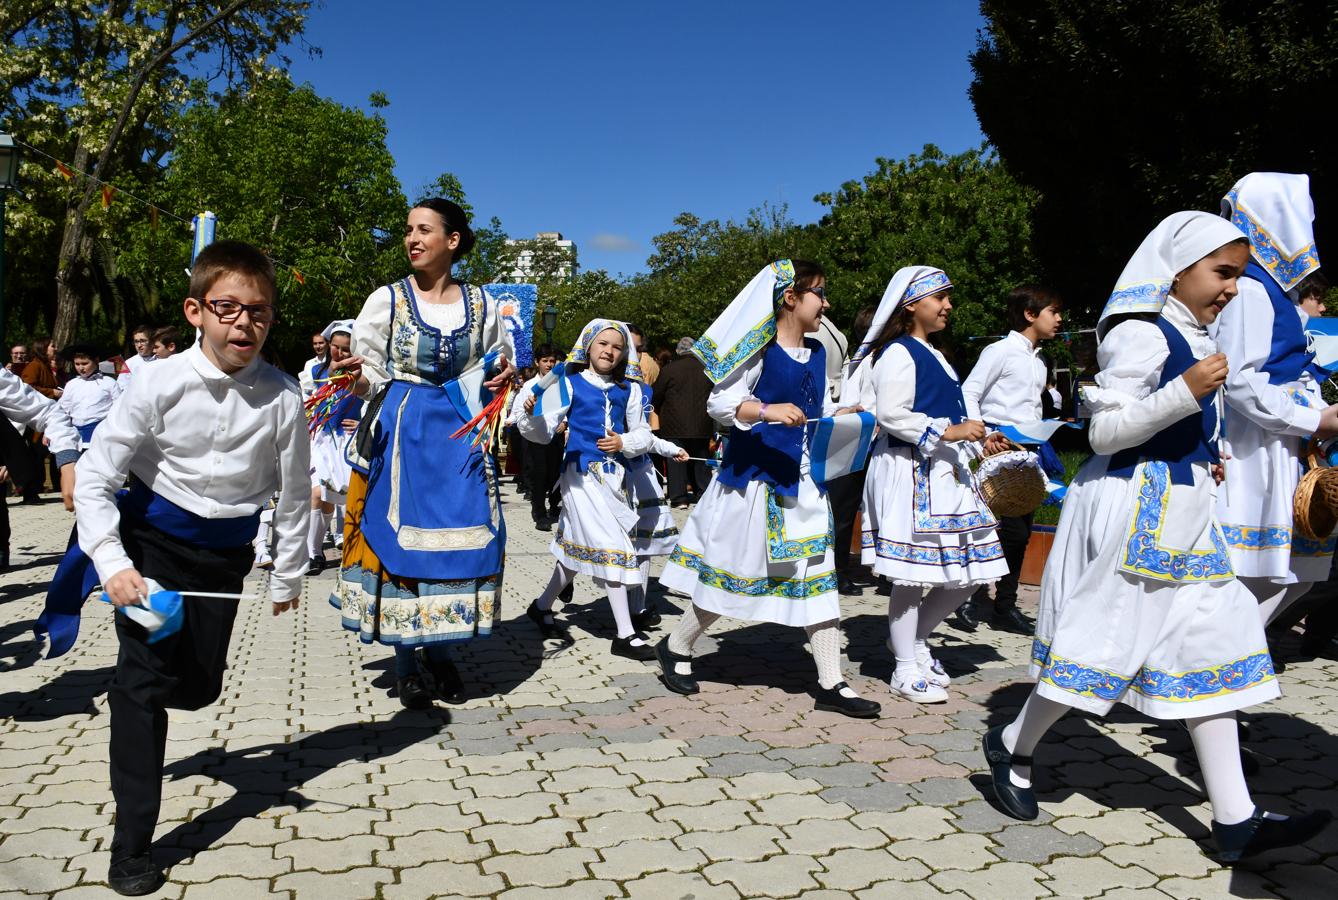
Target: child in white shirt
(89,397)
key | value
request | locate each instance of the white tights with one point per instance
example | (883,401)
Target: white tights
(911,619)
(1273,598)
(622,616)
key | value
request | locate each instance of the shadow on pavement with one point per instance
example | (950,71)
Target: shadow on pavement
(71,693)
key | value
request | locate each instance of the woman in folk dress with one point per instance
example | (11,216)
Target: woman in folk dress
(1138,602)
(758,546)
(926,528)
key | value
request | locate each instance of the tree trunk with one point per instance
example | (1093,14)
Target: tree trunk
(69,273)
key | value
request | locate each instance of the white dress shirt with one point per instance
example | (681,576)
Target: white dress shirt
(214,444)
(89,399)
(132,365)
(24,406)
(307,380)
(1005,386)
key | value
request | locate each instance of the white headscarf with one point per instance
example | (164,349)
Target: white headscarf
(581,352)
(747,325)
(1276,213)
(909,284)
(338,326)
(1179,240)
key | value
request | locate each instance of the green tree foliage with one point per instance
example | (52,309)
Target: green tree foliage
(1121,112)
(95,82)
(306,179)
(962,213)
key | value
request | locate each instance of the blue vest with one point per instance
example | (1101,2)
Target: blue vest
(771,453)
(937,394)
(585,421)
(347,407)
(1182,443)
(1288,357)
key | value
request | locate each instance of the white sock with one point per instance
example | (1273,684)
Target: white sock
(903,617)
(639,594)
(825,639)
(936,606)
(560,578)
(320,520)
(691,626)
(1217,744)
(1038,716)
(622,616)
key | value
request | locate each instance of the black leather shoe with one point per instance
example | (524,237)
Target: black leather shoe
(1020,803)
(1258,834)
(441,679)
(413,693)
(679,684)
(647,618)
(834,701)
(135,876)
(965,618)
(317,565)
(543,524)
(568,592)
(549,625)
(642,652)
(1012,621)
(847,587)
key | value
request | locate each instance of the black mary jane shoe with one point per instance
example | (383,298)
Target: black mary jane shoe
(548,623)
(441,679)
(1258,834)
(679,684)
(413,693)
(1018,802)
(832,700)
(624,647)
(135,876)
(646,619)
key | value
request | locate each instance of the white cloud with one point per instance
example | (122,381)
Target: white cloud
(614,243)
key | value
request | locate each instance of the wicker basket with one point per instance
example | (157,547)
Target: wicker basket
(1316,501)
(1011,481)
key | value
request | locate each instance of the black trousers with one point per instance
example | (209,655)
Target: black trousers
(543,465)
(683,474)
(183,671)
(1014,533)
(845,493)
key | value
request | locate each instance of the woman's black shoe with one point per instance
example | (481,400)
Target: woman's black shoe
(647,618)
(679,684)
(832,700)
(441,678)
(135,876)
(548,623)
(1257,833)
(413,693)
(642,652)
(1020,803)
(317,565)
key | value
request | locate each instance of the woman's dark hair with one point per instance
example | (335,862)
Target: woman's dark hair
(806,274)
(1030,298)
(860,330)
(455,220)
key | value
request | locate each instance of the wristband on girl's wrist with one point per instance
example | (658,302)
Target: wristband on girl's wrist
(762,413)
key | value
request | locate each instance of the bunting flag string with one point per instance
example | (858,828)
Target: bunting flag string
(108,191)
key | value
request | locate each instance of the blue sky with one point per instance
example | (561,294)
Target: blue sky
(604,120)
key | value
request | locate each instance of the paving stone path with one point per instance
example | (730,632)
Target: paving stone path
(579,775)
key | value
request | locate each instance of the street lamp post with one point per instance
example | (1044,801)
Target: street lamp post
(550,322)
(9,179)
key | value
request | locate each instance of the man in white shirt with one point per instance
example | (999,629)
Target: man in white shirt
(306,379)
(542,462)
(89,396)
(23,406)
(1005,388)
(205,443)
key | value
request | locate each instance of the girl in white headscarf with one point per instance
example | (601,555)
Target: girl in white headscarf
(599,395)
(925,524)
(330,469)
(758,545)
(1138,601)
(1273,392)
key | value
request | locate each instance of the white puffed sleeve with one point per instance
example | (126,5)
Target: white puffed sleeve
(892,386)
(371,336)
(735,389)
(1127,407)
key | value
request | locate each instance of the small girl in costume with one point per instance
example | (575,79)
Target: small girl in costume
(1138,601)
(758,546)
(599,397)
(656,532)
(925,524)
(333,421)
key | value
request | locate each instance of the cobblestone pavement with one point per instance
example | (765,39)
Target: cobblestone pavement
(579,775)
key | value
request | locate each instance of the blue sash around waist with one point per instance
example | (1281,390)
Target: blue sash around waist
(86,431)
(76,577)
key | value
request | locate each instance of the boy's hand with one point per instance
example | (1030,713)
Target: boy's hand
(126,588)
(280,608)
(67,486)
(529,403)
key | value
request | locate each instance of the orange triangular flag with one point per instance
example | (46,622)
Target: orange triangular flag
(298,276)
(107,192)
(64,170)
